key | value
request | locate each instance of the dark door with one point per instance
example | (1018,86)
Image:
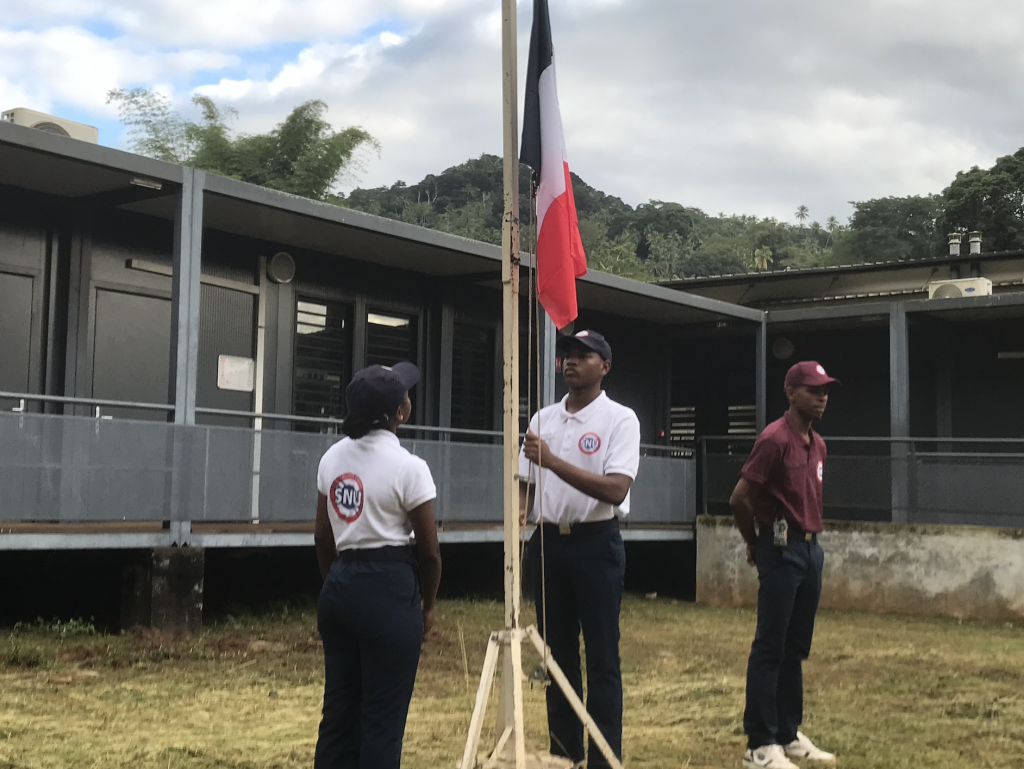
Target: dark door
(23,249)
(130,352)
(16,295)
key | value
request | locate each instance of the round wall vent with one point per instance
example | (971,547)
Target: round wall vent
(281,268)
(782,348)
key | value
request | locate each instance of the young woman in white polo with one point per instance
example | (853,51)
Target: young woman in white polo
(376,543)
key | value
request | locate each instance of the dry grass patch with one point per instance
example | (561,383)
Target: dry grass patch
(881,692)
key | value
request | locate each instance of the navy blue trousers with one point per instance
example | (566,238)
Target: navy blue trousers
(585,572)
(787,602)
(371,622)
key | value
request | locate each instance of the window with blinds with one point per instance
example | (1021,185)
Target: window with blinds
(323,360)
(390,339)
(683,430)
(743,421)
(473,377)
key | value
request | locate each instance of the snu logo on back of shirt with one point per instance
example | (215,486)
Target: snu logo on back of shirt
(347,497)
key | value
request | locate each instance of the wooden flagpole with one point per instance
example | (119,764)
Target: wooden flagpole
(511,744)
(510,714)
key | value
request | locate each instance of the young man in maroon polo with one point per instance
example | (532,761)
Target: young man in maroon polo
(778,510)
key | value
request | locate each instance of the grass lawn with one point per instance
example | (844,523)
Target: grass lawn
(882,692)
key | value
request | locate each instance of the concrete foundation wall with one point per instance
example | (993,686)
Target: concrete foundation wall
(957,571)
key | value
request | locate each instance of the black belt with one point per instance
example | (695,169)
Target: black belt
(793,534)
(394,553)
(591,529)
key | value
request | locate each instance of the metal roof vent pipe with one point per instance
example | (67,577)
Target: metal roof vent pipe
(954,243)
(975,240)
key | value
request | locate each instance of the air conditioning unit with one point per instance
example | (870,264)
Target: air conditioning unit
(952,289)
(54,125)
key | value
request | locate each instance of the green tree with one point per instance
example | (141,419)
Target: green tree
(894,229)
(990,201)
(303,155)
(802,212)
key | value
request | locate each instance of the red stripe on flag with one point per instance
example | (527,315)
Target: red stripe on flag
(560,257)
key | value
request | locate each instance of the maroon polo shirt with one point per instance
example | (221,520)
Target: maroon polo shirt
(790,473)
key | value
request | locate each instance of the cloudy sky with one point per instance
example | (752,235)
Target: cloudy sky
(736,106)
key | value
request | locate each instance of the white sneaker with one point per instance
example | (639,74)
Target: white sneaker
(802,747)
(767,757)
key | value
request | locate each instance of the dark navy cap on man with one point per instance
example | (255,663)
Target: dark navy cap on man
(809,373)
(376,392)
(589,339)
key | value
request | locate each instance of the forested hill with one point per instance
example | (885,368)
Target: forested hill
(660,240)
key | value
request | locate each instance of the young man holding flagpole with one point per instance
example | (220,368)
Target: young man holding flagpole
(580,455)
(578,462)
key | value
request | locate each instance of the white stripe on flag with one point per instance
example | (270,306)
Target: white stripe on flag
(552,142)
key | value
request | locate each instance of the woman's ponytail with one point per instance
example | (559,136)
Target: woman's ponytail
(355,426)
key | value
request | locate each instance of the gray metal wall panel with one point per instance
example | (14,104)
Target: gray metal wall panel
(228,464)
(665,491)
(288,490)
(982,491)
(79,469)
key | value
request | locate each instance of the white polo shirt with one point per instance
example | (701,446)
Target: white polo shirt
(603,438)
(371,484)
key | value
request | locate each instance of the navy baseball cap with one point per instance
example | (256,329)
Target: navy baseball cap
(809,373)
(589,339)
(376,392)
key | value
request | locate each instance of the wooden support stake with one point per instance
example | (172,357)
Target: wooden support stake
(493,760)
(479,710)
(571,696)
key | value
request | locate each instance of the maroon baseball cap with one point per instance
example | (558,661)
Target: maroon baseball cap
(809,373)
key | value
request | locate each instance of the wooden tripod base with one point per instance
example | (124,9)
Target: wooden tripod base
(533,761)
(509,752)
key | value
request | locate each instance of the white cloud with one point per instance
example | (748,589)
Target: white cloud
(71,66)
(744,106)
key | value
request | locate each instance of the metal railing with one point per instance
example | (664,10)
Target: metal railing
(956,481)
(90,469)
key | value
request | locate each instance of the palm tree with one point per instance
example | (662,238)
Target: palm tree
(762,258)
(802,213)
(832,224)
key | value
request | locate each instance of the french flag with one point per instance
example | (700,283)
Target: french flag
(560,257)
